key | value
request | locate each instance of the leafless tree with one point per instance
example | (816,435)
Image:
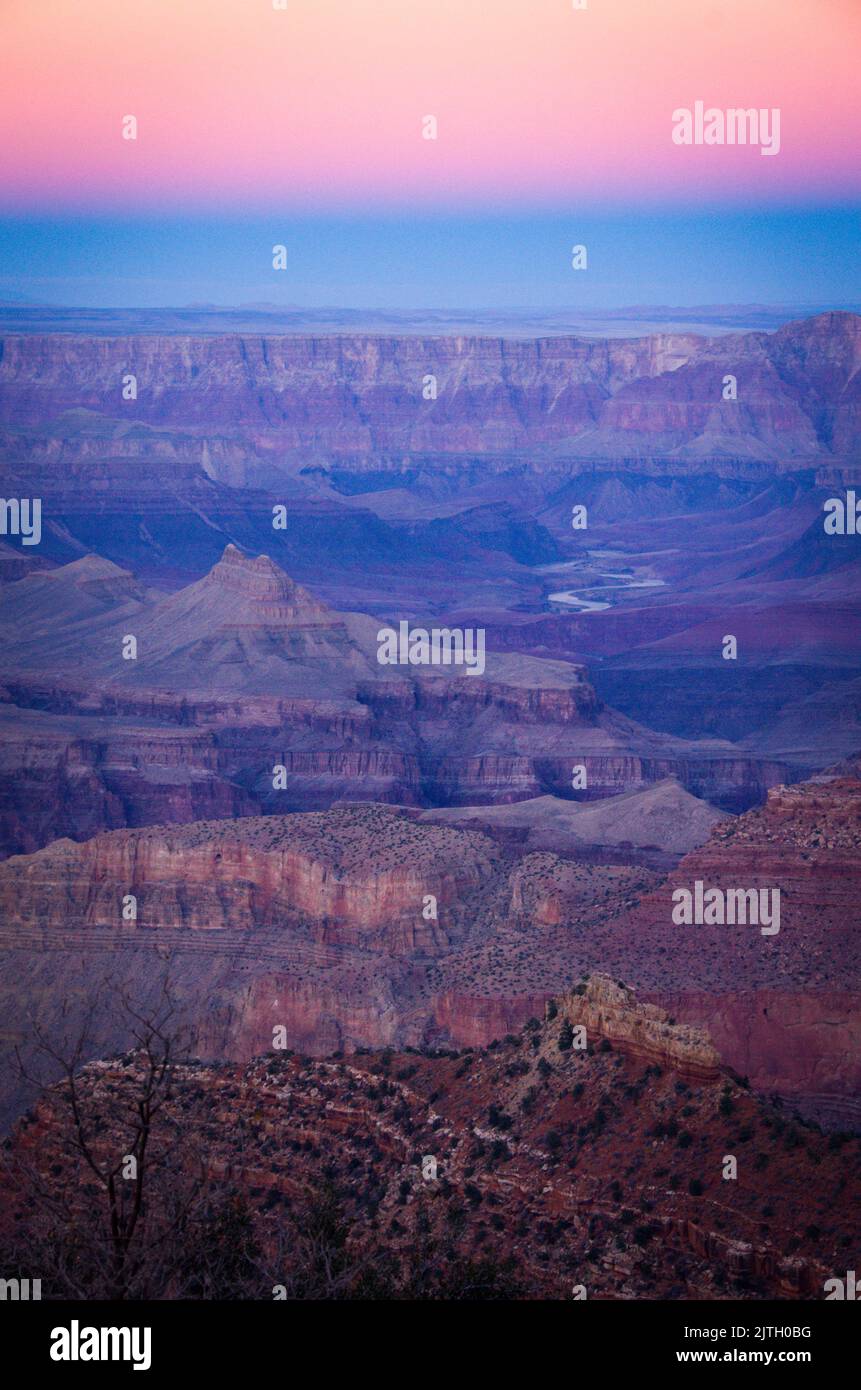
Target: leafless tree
(108,1194)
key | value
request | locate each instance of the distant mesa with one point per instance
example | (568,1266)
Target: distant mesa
(664,816)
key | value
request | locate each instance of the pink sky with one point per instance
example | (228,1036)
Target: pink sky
(241,105)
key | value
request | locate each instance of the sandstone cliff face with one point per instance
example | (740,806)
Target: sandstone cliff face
(512,925)
(76,762)
(463,779)
(472,1020)
(358,397)
(315,1016)
(803,1047)
(338,899)
(572,702)
(79,775)
(354,927)
(355,876)
(784,1009)
(609,1010)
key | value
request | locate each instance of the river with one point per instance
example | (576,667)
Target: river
(587,601)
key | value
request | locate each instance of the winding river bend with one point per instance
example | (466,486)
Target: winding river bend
(592,598)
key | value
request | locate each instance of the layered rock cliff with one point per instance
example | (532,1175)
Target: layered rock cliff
(356,876)
(610,1011)
(244,673)
(328,921)
(620,1168)
(359,398)
(784,1008)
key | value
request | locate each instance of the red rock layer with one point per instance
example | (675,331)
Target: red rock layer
(577,1167)
(784,1009)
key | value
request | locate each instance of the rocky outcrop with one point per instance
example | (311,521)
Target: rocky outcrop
(618,1165)
(609,1010)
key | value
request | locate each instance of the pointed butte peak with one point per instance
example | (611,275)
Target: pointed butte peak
(237,559)
(234,555)
(260,578)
